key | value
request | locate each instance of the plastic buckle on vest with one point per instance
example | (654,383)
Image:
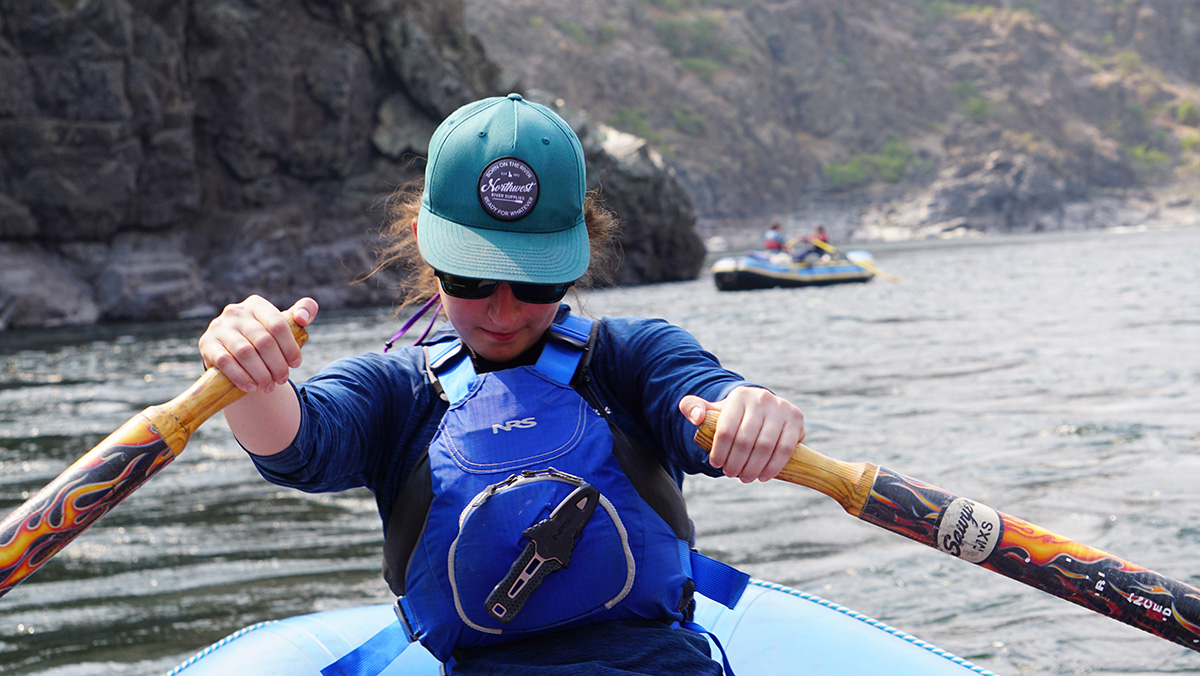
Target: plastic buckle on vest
(452,370)
(574,330)
(402,616)
(527,474)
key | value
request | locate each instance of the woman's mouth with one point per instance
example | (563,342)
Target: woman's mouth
(498,336)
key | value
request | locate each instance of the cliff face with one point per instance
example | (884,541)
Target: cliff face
(941,117)
(160,159)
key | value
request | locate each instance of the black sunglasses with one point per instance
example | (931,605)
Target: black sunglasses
(474,289)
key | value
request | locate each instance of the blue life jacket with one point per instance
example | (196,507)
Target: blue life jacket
(533,525)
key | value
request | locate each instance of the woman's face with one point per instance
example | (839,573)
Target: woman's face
(499,327)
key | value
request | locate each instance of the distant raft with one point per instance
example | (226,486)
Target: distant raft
(773,630)
(765,271)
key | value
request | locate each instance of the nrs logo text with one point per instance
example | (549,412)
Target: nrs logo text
(513,425)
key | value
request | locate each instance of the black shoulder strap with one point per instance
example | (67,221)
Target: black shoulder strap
(406,522)
(647,475)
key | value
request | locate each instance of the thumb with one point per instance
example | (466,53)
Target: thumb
(694,408)
(304,311)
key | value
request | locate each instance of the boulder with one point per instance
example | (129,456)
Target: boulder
(161,159)
(39,288)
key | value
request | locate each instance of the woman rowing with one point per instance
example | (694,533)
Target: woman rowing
(526,460)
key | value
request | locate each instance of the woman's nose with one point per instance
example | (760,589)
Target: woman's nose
(503,305)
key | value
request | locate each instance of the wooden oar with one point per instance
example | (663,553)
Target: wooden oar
(107,474)
(865,265)
(1001,543)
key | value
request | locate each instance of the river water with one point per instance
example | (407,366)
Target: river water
(1053,377)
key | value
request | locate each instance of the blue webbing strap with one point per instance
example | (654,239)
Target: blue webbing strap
(373,656)
(724,657)
(559,362)
(560,358)
(438,353)
(718,581)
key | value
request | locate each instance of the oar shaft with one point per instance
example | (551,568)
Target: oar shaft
(865,265)
(72,502)
(37,530)
(1031,554)
(1012,547)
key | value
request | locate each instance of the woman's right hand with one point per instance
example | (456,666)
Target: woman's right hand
(252,344)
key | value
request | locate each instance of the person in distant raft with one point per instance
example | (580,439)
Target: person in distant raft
(813,250)
(773,238)
(526,460)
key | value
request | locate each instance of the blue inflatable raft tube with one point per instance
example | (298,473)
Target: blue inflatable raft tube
(773,630)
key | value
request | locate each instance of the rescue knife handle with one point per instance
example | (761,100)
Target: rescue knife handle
(551,542)
(525,576)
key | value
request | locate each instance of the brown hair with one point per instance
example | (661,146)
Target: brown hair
(398,251)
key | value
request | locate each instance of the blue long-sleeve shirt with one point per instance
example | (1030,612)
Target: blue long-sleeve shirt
(365,420)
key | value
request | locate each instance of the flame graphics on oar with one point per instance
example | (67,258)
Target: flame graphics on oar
(979,534)
(1099,581)
(905,506)
(1035,556)
(86,491)
(108,473)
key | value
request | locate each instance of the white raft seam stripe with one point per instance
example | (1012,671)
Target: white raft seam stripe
(874,623)
(210,649)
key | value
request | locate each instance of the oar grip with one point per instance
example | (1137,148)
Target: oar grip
(177,419)
(849,483)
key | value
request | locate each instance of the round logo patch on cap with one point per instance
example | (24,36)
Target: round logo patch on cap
(508,189)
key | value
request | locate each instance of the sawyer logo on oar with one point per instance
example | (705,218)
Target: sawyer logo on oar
(969,530)
(551,542)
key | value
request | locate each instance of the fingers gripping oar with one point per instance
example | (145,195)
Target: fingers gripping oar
(1004,544)
(107,474)
(865,265)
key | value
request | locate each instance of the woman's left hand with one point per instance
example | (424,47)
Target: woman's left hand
(756,432)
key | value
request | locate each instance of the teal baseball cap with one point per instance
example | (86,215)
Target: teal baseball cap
(504,192)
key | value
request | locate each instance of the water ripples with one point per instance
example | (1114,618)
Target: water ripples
(1055,378)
